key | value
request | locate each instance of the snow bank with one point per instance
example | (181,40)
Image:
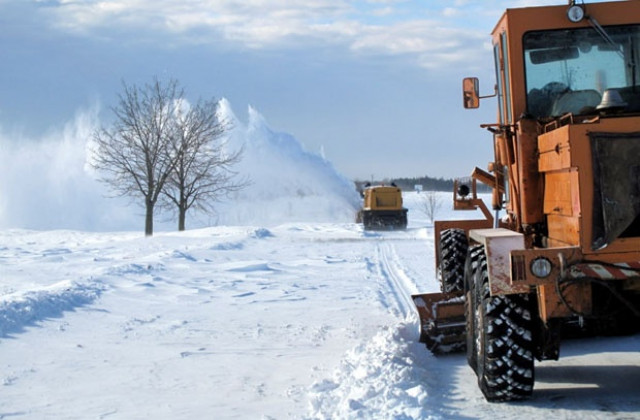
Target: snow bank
(20,309)
(382,376)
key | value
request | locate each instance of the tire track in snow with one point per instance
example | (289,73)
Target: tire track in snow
(400,285)
(387,375)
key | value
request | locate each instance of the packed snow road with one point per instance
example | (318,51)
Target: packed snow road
(305,321)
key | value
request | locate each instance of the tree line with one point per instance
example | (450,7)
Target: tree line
(408,184)
(166,152)
(428,183)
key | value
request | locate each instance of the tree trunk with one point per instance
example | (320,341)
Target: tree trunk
(182,215)
(148,221)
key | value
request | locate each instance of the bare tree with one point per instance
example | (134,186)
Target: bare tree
(135,154)
(203,171)
(430,204)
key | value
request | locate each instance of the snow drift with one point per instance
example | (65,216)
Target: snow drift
(25,307)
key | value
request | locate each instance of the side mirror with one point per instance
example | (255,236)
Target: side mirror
(471,92)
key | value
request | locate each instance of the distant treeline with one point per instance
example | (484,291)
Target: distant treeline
(427,183)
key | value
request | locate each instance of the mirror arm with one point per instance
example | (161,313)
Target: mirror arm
(495,93)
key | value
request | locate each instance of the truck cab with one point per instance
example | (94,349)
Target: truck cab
(568,80)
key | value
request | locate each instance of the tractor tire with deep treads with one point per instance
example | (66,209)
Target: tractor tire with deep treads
(505,365)
(471,302)
(453,254)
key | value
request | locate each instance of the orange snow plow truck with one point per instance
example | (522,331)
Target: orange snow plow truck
(562,254)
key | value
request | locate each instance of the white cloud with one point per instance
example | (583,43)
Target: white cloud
(383,11)
(276,24)
(450,12)
(433,45)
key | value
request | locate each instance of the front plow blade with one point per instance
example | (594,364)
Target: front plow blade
(442,321)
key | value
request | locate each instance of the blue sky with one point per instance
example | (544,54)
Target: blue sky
(374,84)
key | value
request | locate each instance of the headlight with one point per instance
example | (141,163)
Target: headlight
(541,267)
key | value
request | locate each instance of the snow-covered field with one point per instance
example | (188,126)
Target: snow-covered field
(299,320)
(283,309)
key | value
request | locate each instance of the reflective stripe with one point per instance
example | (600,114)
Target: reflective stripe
(606,272)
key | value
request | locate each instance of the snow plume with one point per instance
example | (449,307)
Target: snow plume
(287,183)
(47,184)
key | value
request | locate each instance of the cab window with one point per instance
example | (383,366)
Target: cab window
(569,70)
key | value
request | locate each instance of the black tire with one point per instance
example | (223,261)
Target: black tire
(453,255)
(403,220)
(367,221)
(471,303)
(505,366)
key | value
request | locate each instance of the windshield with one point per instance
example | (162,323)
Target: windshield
(569,70)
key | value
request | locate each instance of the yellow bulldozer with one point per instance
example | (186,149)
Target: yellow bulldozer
(560,255)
